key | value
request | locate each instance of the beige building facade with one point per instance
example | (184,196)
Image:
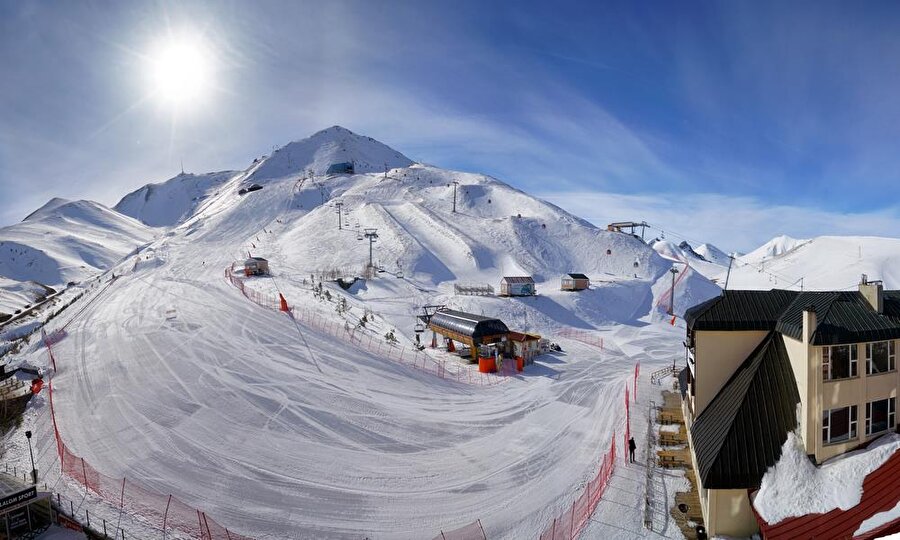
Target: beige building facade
(755,356)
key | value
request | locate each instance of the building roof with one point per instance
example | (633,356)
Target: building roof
(841,316)
(740,310)
(517,279)
(577,276)
(881,491)
(468,324)
(740,433)
(255,259)
(521,336)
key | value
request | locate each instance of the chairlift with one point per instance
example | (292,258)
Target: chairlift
(399,274)
(359,236)
(419,328)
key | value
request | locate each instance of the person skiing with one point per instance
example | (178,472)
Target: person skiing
(632,446)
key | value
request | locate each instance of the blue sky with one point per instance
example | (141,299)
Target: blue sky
(730,121)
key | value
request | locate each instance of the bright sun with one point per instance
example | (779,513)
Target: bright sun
(180,71)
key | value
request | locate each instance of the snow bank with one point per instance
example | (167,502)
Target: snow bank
(879,519)
(795,487)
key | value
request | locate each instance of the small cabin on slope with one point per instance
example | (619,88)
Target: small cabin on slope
(575,282)
(517,286)
(256,266)
(525,346)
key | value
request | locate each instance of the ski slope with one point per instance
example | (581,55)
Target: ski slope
(173,379)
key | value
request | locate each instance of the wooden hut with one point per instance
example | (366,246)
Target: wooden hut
(575,282)
(525,346)
(256,266)
(517,286)
(469,329)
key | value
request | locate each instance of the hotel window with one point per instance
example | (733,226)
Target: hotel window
(839,424)
(879,357)
(879,416)
(839,362)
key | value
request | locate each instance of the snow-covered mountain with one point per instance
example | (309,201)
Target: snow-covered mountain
(712,254)
(64,241)
(328,147)
(773,248)
(168,203)
(822,263)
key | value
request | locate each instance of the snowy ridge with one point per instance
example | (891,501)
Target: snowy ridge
(775,247)
(823,263)
(329,146)
(65,241)
(171,202)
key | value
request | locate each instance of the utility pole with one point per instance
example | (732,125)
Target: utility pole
(455,183)
(385,170)
(728,275)
(672,296)
(371,234)
(338,205)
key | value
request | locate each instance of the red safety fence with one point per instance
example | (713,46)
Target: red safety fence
(472,531)
(585,336)
(376,345)
(637,373)
(166,513)
(627,425)
(572,521)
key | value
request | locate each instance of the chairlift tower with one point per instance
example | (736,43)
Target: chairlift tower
(339,205)
(672,296)
(455,184)
(371,234)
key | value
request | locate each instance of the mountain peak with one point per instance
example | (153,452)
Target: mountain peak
(48,207)
(328,147)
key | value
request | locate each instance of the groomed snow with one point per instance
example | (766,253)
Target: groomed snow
(795,487)
(175,380)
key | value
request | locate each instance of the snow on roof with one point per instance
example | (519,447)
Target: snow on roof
(879,519)
(795,487)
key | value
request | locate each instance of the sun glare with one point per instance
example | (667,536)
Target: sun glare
(180,71)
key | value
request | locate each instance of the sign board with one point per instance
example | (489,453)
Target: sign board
(17,521)
(18,498)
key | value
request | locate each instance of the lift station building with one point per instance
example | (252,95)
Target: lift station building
(469,329)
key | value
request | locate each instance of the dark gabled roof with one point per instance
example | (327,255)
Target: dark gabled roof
(468,324)
(740,433)
(841,317)
(740,310)
(577,276)
(892,304)
(518,279)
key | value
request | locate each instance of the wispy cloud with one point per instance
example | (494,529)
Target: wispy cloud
(730,223)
